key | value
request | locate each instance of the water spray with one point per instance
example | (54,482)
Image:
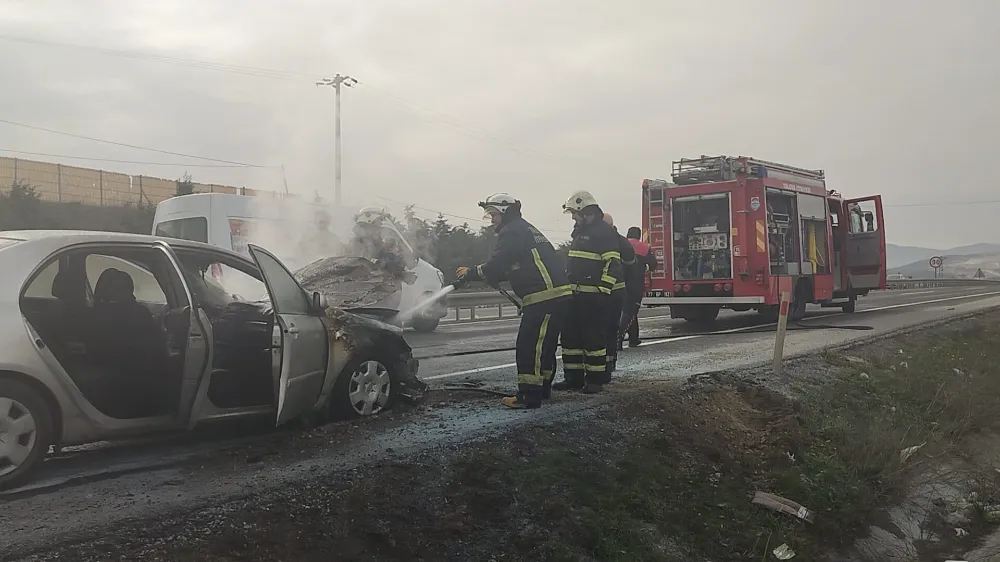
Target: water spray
(442,293)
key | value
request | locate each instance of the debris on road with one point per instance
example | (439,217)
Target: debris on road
(784,552)
(906,453)
(782,505)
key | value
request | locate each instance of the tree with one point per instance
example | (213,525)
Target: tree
(22,192)
(21,206)
(184,185)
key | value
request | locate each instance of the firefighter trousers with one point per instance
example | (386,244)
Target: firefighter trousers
(614,319)
(584,340)
(630,321)
(537,340)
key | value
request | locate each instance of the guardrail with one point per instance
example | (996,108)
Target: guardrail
(933,283)
(479,300)
(473,301)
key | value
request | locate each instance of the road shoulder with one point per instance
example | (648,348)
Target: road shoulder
(653,471)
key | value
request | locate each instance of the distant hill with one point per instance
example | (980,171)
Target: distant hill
(897,256)
(957,264)
(904,259)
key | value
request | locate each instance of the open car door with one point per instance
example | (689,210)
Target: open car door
(300,344)
(865,259)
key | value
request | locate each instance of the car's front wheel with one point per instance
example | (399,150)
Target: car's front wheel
(25,432)
(366,387)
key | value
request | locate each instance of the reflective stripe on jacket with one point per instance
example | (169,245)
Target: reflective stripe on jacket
(524,257)
(594,263)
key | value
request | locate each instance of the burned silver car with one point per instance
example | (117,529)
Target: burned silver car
(107,335)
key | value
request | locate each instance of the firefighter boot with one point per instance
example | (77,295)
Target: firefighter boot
(568,384)
(591,388)
(547,389)
(528,397)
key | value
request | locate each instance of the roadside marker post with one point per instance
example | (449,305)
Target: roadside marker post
(779,337)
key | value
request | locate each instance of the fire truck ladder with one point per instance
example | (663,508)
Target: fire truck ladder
(656,209)
(709,169)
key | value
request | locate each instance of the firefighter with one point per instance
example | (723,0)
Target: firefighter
(592,267)
(645,263)
(618,294)
(525,258)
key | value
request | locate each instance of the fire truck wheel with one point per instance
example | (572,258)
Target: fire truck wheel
(797,308)
(702,315)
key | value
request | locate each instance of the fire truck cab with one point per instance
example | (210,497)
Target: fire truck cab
(736,232)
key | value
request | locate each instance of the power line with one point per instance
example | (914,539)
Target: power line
(126,145)
(454,216)
(94,159)
(946,203)
(260,72)
(223,67)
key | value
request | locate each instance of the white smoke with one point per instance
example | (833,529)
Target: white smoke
(299,231)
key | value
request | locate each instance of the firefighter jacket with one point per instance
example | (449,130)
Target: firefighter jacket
(645,262)
(524,257)
(594,264)
(629,265)
(644,254)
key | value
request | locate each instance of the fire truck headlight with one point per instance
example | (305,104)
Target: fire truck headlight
(728,287)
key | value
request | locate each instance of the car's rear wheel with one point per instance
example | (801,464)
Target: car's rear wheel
(366,387)
(26,432)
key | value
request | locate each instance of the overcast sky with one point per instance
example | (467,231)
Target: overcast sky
(459,99)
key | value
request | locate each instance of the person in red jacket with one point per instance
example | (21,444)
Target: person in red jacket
(645,263)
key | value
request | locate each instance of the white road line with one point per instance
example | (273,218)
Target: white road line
(916,293)
(730,331)
(472,371)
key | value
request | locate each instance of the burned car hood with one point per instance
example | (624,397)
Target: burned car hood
(351,282)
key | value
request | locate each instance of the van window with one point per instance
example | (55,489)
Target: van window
(194,229)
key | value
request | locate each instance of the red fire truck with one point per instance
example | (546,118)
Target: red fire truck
(736,232)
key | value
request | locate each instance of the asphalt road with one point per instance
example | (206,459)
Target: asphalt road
(95,492)
(688,353)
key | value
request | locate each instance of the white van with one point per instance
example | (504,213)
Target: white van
(226,221)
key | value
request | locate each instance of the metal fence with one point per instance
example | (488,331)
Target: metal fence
(73,184)
(489,305)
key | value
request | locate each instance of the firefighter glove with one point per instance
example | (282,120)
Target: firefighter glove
(462,272)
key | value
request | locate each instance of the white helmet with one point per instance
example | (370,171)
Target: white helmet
(370,215)
(498,202)
(578,202)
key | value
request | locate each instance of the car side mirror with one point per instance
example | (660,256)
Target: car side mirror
(319,301)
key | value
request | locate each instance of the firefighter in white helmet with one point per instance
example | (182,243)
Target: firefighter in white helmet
(593,267)
(369,243)
(524,257)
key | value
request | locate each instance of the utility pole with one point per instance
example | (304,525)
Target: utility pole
(336,82)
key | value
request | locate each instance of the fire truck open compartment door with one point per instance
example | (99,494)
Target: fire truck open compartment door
(865,249)
(700,236)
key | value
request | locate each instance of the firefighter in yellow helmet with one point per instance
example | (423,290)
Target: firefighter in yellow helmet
(525,258)
(593,267)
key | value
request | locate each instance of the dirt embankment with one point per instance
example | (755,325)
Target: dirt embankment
(660,473)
